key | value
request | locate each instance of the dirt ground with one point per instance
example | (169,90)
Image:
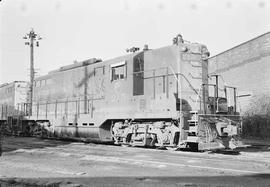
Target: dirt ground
(43,162)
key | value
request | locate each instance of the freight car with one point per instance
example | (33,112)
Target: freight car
(12,95)
(154,98)
(13,104)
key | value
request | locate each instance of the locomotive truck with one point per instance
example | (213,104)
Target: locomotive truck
(152,98)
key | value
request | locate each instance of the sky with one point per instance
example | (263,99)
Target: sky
(82,29)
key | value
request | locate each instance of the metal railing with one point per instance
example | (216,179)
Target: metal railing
(64,107)
(7,111)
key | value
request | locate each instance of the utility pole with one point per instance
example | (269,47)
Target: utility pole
(32,40)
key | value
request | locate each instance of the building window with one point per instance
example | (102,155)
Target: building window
(118,71)
(37,83)
(43,82)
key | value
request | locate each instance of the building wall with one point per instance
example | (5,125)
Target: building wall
(11,95)
(20,88)
(7,94)
(247,67)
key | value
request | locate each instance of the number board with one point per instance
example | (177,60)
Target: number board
(191,57)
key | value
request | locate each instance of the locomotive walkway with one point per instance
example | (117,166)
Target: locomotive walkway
(33,161)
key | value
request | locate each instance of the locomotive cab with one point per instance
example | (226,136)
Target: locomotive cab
(221,105)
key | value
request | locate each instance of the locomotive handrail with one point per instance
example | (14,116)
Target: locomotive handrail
(149,70)
(167,75)
(198,94)
(198,99)
(65,101)
(221,115)
(190,85)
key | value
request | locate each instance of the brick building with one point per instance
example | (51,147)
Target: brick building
(247,67)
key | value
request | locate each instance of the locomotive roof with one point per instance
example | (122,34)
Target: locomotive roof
(88,62)
(13,82)
(94,61)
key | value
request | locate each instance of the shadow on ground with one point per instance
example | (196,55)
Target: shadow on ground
(255,148)
(189,181)
(255,145)
(249,145)
(11,143)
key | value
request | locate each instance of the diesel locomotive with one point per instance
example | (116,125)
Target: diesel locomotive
(152,98)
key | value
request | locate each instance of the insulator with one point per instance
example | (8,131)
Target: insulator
(145,47)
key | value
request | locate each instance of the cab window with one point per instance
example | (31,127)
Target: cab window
(118,71)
